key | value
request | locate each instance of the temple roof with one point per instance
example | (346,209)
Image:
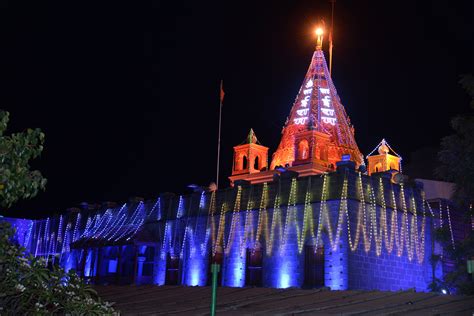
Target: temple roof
(317,107)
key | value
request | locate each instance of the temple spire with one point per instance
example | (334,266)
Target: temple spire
(318,125)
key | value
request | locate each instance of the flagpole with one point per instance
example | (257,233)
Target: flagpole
(219,136)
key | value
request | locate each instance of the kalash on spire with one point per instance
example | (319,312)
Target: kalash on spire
(317,133)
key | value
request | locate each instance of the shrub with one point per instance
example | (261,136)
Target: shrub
(27,286)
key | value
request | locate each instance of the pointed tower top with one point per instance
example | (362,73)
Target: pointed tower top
(383,148)
(318,109)
(252,138)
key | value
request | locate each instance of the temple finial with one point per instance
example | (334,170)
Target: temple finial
(319,40)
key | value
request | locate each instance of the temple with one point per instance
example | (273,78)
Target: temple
(315,216)
(317,133)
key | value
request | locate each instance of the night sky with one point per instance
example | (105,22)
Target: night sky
(127,95)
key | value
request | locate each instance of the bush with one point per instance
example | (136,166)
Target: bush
(27,286)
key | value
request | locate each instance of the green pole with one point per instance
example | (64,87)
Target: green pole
(215,267)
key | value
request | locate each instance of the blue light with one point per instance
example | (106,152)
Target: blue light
(284,281)
(112,266)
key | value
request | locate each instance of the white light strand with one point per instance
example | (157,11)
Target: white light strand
(276,224)
(308,223)
(235,221)
(248,227)
(450,226)
(290,216)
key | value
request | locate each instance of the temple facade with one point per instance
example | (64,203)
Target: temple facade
(315,216)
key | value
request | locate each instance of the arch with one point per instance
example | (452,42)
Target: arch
(303,149)
(256,163)
(244,162)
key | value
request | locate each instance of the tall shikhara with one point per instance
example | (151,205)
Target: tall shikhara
(318,132)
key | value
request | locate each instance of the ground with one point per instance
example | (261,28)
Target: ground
(180,300)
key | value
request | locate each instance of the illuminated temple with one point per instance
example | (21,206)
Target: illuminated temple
(317,215)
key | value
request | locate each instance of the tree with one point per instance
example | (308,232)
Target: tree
(28,287)
(17,181)
(457,152)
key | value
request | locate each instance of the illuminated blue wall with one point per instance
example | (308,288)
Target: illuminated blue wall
(285,267)
(336,261)
(233,272)
(389,272)
(196,253)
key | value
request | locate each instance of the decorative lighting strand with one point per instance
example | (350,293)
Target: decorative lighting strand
(276,223)
(322,207)
(450,227)
(421,247)
(377,233)
(363,209)
(220,230)
(388,236)
(290,215)
(234,222)
(308,223)
(248,225)
(405,223)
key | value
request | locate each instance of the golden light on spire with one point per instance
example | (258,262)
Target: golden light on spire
(319,33)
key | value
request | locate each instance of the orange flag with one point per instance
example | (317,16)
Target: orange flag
(222,91)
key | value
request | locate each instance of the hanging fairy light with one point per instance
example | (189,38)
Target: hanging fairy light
(450,227)
(308,223)
(248,225)
(386,235)
(377,233)
(275,224)
(290,216)
(234,221)
(262,215)
(322,209)
(220,230)
(363,208)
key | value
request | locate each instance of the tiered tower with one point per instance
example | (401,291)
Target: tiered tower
(318,131)
(316,135)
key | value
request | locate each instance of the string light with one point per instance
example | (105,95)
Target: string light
(406,232)
(450,227)
(362,208)
(220,230)
(262,215)
(421,246)
(76,228)
(275,224)
(290,216)
(308,223)
(248,225)
(26,242)
(377,233)
(440,215)
(322,207)
(235,221)
(388,237)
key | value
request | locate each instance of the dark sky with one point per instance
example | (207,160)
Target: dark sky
(127,94)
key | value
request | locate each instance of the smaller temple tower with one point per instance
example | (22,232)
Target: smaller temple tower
(387,159)
(250,158)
